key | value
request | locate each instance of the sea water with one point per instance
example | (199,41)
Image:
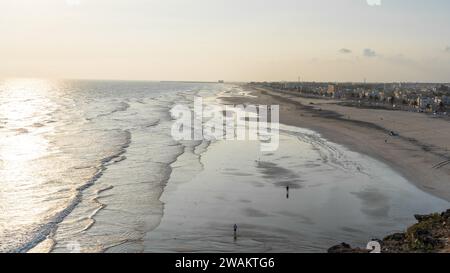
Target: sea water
(91,166)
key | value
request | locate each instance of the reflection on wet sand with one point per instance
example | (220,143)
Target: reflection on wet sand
(285,205)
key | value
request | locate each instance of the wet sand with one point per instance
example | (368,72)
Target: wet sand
(423,141)
(334,195)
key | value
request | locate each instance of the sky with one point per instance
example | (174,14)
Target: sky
(232,40)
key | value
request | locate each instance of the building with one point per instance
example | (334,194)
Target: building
(446,100)
(331,89)
(424,102)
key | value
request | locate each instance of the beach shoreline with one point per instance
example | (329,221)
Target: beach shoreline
(334,195)
(421,144)
(306,196)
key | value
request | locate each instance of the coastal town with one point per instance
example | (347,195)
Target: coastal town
(430,98)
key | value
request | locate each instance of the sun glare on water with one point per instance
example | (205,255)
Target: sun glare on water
(25,107)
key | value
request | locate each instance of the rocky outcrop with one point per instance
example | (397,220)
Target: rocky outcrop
(346,248)
(430,235)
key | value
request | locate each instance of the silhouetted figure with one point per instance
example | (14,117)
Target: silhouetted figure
(235,231)
(287,192)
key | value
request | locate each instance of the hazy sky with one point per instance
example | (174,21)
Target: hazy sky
(242,40)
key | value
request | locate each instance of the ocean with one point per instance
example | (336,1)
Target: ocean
(91,166)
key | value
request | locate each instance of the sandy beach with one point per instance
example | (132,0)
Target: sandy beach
(335,195)
(127,186)
(423,140)
(224,127)
(337,192)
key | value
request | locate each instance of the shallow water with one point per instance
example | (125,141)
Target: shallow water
(83,165)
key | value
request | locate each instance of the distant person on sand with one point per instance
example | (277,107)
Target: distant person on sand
(287,192)
(235,231)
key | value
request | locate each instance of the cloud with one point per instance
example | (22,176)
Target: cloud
(345,51)
(369,53)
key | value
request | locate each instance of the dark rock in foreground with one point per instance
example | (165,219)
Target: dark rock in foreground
(430,235)
(346,248)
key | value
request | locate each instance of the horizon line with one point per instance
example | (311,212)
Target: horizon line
(224,81)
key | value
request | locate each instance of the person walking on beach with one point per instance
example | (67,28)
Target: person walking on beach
(287,192)
(235,231)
